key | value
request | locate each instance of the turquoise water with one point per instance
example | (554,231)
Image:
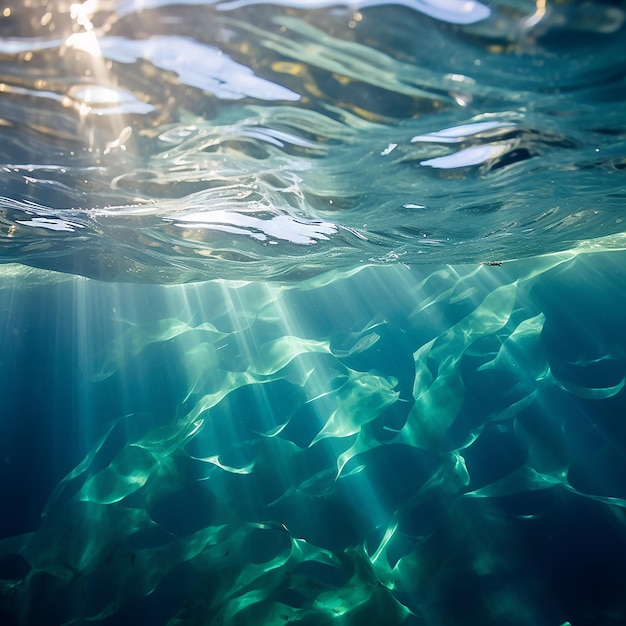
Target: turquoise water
(313,313)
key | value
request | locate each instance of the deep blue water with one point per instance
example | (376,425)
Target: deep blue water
(313,313)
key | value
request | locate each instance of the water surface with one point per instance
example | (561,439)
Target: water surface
(169,142)
(312,313)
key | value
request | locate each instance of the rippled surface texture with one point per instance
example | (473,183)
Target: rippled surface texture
(336,333)
(168,142)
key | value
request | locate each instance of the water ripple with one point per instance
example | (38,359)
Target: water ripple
(179,142)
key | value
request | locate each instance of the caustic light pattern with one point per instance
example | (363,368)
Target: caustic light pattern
(448,455)
(412,410)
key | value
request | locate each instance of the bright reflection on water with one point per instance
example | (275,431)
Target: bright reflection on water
(336,331)
(306,135)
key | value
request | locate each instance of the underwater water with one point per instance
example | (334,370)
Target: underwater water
(313,313)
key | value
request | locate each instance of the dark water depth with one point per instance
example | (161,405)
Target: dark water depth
(385,446)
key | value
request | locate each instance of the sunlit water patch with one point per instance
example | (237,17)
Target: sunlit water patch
(168,142)
(383,446)
(312,313)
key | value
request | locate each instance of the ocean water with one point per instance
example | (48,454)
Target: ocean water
(313,312)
